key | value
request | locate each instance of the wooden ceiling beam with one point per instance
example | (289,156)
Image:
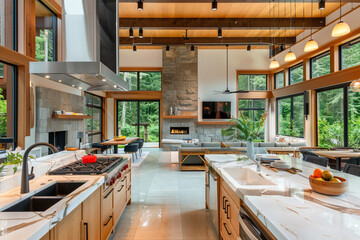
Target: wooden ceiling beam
(223,1)
(211,23)
(205,40)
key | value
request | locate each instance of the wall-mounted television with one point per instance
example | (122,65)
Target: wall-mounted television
(216,110)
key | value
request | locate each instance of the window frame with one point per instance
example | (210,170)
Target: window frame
(253,108)
(291,113)
(275,81)
(317,57)
(138,78)
(101,108)
(294,67)
(356,40)
(54,34)
(243,73)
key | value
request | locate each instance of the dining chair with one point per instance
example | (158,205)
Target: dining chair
(354,160)
(317,160)
(352,169)
(132,148)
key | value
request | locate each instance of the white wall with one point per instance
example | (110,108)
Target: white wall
(212,72)
(141,58)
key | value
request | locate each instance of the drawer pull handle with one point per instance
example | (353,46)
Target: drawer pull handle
(108,221)
(229,233)
(122,186)
(86,230)
(226,206)
(224,202)
(123,179)
(109,193)
(227,211)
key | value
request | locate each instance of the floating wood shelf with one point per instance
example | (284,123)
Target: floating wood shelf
(216,123)
(180,117)
(75,117)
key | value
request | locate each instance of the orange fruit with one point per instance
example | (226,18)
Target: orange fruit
(312,176)
(317,173)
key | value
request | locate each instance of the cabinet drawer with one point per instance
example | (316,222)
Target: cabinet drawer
(107,203)
(229,210)
(227,232)
(107,226)
(119,199)
(128,179)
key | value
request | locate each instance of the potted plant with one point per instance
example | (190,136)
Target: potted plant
(246,130)
(13,161)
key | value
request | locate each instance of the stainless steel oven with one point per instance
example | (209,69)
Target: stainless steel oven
(249,230)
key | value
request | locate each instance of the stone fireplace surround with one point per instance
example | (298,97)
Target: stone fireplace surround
(49,100)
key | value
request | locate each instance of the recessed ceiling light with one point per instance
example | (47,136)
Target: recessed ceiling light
(104,80)
(140,5)
(47,76)
(60,80)
(80,88)
(214,5)
(115,86)
(73,85)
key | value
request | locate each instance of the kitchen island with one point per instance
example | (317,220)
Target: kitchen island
(284,203)
(86,206)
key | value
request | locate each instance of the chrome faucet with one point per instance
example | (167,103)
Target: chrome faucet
(258,166)
(25,171)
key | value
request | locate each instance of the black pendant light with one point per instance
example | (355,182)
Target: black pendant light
(141,33)
(214,5)
(219,32)
(140,5)
(131,33)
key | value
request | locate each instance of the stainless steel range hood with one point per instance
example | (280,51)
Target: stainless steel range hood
(90,47)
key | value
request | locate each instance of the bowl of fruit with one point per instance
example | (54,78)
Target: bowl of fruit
(119,138)
(324,182)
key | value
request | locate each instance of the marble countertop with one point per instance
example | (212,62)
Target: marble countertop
(290,209)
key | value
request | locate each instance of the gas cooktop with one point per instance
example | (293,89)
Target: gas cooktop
(102,165)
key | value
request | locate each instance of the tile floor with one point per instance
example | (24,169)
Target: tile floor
(166,203)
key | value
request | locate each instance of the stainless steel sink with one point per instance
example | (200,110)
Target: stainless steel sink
(46,198)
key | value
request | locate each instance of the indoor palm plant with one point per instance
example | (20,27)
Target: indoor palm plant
(246,130)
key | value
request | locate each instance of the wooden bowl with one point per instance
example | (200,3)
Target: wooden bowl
(71,148)
(327,187)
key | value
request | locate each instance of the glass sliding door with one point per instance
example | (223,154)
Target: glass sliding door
(139,119)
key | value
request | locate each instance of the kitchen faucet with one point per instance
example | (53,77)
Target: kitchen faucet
(25,172)
(257,162)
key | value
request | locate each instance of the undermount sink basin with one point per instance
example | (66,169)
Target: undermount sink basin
(248,176)
(46,198)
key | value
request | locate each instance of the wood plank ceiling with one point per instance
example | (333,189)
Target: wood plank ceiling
(243,23)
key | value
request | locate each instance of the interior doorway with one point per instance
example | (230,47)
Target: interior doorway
(138,118)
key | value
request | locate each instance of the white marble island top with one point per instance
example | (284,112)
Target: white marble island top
(290,209)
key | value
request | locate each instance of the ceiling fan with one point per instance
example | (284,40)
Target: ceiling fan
(227,91)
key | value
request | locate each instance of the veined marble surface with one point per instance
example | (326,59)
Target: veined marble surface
(290,209)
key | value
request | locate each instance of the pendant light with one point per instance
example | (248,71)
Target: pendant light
(273,63)
(290,56)
(311,45)
(355,85)
(341,28)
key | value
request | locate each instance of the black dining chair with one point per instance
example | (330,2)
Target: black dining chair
(132,148)
(141,144)
(354,160)
(352,169)
(317,160)
(306,152)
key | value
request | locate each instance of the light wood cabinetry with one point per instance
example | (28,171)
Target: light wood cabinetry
(120,195)
(229,212)
(70,227)
(91,216)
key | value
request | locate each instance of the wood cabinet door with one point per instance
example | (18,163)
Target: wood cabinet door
(70,227)
(92,216)
(119,198)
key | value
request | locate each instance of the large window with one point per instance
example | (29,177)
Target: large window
(252,82)
(253,110)
(338,117)
(296,74)
(290,116)
(279,79)
(8,109)
(94,125)
(143,81)
(46,33)
(8,24)
(320,65)
(350,54)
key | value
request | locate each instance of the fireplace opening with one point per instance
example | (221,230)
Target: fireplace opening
(58,139)
(179,130)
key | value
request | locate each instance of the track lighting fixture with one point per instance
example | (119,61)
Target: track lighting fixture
(134,48)
(140,6)
(219,32)
(321,5)
(167,48)
(214,5)
(141,33)
(248,47)
(192,48)
(131,33)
